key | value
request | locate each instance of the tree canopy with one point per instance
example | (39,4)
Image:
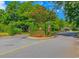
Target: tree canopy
(26,17)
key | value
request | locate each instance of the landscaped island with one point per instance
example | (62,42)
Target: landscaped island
(36,20)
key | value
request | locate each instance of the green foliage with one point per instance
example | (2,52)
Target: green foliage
(72,13)
(10,29)
(13,30)
(40,14)
(2,27)
(26,17)
(12,9)
(71,10)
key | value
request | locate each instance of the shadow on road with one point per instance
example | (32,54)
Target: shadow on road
(73,34)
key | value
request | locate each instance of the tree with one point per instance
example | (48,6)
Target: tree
(72,12)
(41,15)
(26,16)
(24,8)
(11,10)
(1,14)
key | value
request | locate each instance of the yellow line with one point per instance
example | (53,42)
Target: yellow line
(16,49)
(22,47)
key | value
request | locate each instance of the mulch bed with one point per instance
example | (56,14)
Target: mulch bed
(38,36)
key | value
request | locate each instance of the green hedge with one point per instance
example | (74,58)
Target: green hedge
(13,30)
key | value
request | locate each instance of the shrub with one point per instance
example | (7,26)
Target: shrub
(13,30)
(21,25)
(2,27)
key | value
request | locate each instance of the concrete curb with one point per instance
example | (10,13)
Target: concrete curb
(41,38)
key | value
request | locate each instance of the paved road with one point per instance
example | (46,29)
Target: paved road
(74,34)
(60,46)
(12,43)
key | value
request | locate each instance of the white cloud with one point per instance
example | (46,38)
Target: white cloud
(41,3)
(62,7)
(2,5)
(57,10)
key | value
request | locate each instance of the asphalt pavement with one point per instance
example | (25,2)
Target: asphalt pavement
(55,47)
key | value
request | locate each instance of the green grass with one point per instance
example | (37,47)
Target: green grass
(3,34)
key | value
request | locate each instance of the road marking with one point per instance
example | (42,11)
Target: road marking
(22,47)
(16,49)
(3,53)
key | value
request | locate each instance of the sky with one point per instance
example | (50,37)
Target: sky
(46,4)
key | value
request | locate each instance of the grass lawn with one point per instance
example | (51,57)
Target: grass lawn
(3,34)
(6,34)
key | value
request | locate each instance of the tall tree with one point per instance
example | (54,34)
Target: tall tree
(24,7)
(40,14)
(11,9)
(1,13)
(72,12)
